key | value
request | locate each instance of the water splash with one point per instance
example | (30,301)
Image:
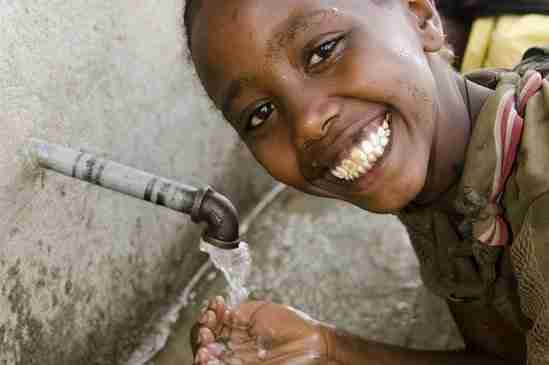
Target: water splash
(236,267)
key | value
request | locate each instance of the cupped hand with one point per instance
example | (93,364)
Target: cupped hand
(259,333)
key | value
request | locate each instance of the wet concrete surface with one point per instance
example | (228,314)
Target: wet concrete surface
(339,264)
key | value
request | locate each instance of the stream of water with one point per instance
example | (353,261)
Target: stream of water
(235,265)
(239,261)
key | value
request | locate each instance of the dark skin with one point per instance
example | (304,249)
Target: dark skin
(428,110)
(292,338)
(299,81)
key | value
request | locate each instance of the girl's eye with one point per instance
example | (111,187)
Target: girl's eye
(323,52)
(260,115)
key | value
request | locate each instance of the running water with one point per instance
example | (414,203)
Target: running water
(235,265)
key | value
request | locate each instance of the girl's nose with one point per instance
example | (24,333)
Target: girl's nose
(314,121)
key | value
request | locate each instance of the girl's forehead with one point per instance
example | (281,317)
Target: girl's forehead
(228,31)
(218,22)
(234,39)
(221,24)
(241,13)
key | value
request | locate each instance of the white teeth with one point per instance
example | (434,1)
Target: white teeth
(349,165)
(337,173)
(367,147)
(358,155)
(374,138)
(378,151)
(363,157)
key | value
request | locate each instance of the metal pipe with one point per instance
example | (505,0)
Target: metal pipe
(203,205)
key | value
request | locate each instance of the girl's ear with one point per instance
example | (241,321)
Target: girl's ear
(428,24)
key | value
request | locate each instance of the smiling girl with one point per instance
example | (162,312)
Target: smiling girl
(356,100)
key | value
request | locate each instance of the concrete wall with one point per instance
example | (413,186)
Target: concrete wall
(82,270)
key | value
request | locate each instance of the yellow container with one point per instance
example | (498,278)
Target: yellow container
(501,41)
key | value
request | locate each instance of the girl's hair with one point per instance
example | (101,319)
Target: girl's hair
(465,9)
(191,8)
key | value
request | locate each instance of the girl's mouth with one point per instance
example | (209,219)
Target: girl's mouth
(366,153)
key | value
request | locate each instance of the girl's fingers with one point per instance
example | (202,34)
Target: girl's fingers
(249,310)
(238,338)
(220,307)
(216,349)
(202,357)
(210,320)
(252,353)
(214,317)
(206,336)
(227,334)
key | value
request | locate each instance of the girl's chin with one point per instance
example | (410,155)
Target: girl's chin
(388,205)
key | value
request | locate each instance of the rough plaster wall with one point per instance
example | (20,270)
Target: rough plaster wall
(82,270)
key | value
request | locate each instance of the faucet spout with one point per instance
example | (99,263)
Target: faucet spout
(221,217)
(204,205)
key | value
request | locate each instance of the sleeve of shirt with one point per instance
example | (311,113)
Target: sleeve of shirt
(530,248)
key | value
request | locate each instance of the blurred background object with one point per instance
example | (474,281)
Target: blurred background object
(494,33)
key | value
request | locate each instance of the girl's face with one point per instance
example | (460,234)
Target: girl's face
(334,97)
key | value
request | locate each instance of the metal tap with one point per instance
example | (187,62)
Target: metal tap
(202,204)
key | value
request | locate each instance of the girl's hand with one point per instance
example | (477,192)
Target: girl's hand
(259,333)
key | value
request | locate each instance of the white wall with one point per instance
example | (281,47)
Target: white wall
(83,269)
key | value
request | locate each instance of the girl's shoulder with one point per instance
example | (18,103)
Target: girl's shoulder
(510,140)
(535,58)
